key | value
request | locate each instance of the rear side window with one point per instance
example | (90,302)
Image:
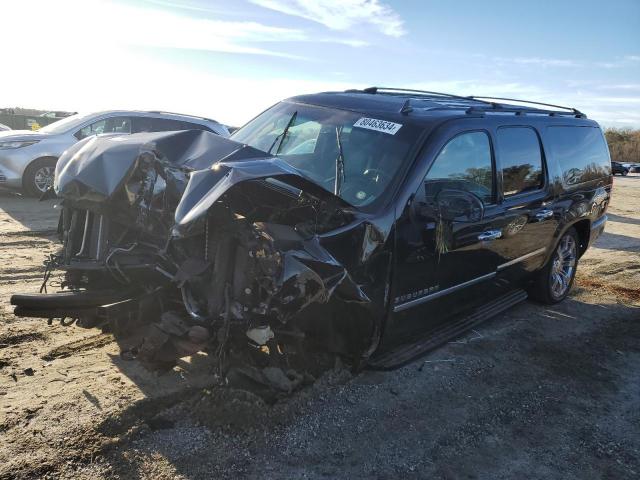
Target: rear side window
(149,124)
(521,160)
(581,153)
(463,164)
(106,125)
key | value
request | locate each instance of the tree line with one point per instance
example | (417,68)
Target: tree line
(624,144)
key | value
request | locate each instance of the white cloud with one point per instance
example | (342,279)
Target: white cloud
(121,79)
(623,86)
(539,61)
(608,111)
(89,63)
(94,26)
(342,14)
(546,62)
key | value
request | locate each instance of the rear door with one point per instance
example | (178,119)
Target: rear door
(528,218)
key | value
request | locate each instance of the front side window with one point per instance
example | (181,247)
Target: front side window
(521,160)
(106,125)
(463,164)
(365,154)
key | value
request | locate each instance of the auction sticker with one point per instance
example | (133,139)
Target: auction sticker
(378,125)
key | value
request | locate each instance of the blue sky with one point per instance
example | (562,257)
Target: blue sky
(231,59)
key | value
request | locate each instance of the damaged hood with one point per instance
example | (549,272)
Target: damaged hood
(97,168)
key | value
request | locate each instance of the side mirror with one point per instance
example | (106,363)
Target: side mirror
(452,205)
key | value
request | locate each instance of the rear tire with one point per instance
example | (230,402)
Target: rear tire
(553,282)
(38,176)
(625,172)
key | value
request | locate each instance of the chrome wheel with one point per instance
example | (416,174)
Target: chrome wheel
(43,178)
(563,266)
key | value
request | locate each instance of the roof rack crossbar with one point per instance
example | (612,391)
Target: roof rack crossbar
(481,97)
(422,92)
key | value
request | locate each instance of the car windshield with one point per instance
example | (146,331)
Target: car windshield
(365,155)
(66,124)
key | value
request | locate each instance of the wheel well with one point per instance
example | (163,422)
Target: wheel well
(34,161)
(583,229)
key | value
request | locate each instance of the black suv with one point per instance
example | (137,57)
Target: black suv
(376,223)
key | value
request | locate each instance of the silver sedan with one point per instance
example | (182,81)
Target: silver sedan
(28,159)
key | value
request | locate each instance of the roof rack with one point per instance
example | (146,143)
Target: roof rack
(571,109)
(421,92)
(471,104)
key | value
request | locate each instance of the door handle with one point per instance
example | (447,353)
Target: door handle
(544,215)
(490,235)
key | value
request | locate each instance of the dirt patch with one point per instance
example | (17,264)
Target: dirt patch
(551,390)
(7,340)
(78,346)
(628,293)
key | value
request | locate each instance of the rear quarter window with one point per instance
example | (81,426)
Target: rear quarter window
(581,153)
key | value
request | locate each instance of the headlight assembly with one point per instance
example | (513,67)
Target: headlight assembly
(16,144)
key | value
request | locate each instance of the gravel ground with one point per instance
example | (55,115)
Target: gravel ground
(536,392)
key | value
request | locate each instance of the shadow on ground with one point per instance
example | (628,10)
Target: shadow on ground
(548,390)
(25,215)
(619,218)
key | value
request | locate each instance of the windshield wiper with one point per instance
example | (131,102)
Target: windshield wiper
(339,164)
(283,134)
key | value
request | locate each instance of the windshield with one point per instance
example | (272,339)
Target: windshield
(66,124)
(347,153)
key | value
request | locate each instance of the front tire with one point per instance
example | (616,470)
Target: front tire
(553,283)
(625,172)
(38,176)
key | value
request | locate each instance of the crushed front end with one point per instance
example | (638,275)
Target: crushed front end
(180,242)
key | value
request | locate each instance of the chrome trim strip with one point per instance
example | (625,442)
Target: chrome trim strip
(446,291)
(84,235)
(540,251)
(99,240)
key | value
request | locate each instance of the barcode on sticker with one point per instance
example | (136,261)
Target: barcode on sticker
(378,125)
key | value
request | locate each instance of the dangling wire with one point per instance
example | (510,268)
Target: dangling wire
(50,264)
(223,333)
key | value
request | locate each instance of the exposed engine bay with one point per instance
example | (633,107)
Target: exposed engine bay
(187,242)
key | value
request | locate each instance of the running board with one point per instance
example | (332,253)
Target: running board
(403,354)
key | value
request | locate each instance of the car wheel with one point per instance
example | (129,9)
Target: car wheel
(554,281)
(38,176)
(624,173)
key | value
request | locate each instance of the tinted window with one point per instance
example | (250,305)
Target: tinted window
(581,153)
(321,142)
(463,164)
(194,126)
(521,160)
(149,124)
(107,125)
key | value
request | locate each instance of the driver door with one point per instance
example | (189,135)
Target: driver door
(446,266)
